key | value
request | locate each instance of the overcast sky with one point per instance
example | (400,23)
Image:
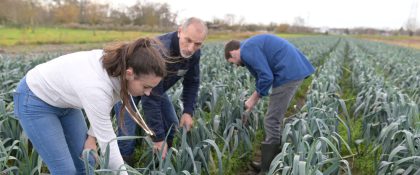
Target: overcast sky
(383,14)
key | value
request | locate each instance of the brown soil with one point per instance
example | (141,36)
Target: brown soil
(411,43)
(65,48)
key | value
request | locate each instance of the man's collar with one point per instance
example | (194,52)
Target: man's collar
(175,51)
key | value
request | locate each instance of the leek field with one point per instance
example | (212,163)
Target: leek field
(358,114)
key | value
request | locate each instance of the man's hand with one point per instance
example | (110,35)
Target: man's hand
(252,101)
(186,121)
(158,146)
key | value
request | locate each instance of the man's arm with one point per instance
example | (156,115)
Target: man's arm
(152,112)
(191,84)
(257,62)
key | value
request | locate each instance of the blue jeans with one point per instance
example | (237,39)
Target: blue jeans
(57,134)
(169,119)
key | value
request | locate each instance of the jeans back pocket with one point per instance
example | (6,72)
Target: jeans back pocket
(16,102)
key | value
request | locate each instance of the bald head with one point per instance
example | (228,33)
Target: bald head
(197,24)
(192,34)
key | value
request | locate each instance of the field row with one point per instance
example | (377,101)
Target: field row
(362,101)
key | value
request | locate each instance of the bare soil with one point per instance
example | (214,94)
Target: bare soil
(65,48)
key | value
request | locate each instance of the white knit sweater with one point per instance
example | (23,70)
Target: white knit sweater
(78,80)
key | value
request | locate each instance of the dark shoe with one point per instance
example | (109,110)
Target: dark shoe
(256,166)
(169,143)
(129,160)
(268,152)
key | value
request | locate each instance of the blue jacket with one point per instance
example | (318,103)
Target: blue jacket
(273,61)
(178,68)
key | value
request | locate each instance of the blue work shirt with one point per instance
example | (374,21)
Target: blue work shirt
(273,61)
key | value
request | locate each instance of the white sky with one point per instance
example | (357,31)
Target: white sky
(383,14)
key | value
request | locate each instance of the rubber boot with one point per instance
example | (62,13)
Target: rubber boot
(268,152)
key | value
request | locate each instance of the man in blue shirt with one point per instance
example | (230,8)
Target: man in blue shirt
(275,63)
(182,51)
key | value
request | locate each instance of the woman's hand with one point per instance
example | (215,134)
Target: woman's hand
(158,146)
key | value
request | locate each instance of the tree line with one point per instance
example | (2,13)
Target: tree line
(143,15)
(29,13)
(90,14)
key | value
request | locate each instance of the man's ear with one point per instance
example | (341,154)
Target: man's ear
(232,53)
(179,31)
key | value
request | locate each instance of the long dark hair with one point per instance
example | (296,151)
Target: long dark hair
(143,57)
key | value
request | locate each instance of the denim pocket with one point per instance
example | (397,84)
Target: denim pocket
(36,104)
(16,103)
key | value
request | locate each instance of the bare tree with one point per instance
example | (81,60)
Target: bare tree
(282,28)
(95,13)
(66,11)
(299,21)
(19,12)
(35,12)
(230,19)
(119,17)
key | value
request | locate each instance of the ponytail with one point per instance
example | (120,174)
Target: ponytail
(144,58)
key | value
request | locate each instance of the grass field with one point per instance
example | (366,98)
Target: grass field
(38,36)
(405,41)
(27,37)
(16,36)
(41,40)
